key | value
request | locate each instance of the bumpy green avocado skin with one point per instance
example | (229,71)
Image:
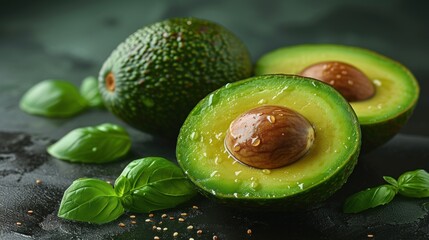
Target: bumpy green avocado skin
(163,70)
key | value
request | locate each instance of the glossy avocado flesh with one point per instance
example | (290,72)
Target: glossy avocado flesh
(158,74)
(396,90)
(318,174)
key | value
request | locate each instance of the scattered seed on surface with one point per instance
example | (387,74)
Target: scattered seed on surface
(121,225)
(160,223)
(154,227)
(181,219)
(164,215)
(195,207)
(133,222)
(151,215)
(215,237)
(159,228)
(132,216)
(191,238)
(184,214)
(370,235)
(175,234)
(199,232)
(30,212)
(249,231)
(165,229)
(156,238)
(190,227)
(148,220)
(38,181)
(171,218)
(18,224)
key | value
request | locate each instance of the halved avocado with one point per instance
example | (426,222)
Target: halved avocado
(384,113)
(202,146)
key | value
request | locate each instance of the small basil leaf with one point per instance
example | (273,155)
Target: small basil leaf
(391,180)
(122,186)
(369,198)
(89,91)
(53,98)
(156,183)
(103,143)
(90,200)
(414,184)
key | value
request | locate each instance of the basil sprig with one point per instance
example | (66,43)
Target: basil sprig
(58,98)
(53,98)
(413,184)
(100,144)
(145,185)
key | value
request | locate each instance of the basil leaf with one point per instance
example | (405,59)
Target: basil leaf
(156,183)
(90,200)
(103,143)
(89,91)
(369,198)
(391,180)
(122,186)
(414,184)
(53,98)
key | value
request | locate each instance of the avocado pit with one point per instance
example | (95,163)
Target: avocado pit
(352,83)
(269,137)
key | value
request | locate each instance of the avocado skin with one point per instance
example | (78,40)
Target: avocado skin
(163,70)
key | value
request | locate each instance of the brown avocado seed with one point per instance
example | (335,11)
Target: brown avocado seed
(269,137)
(110,82)
(352,83)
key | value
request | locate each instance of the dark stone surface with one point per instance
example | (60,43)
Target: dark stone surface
(71,39)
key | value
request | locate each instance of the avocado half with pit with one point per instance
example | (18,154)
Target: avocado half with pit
(382,92)
(280,141)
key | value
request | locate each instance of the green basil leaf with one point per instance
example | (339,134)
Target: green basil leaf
(103,143)
(89,91)
(53,98)
(122,186)
(369,198)
(156,183)
(391,180)
(414,184)
(90,200)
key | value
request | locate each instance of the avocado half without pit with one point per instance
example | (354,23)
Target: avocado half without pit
(275,141)
(382,92)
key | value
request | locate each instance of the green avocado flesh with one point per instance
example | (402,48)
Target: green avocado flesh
(396,92)
(158,74)
(318,174)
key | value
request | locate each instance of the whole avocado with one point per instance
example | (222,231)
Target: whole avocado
(158,74)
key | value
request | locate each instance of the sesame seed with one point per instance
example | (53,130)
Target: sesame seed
(370,235)
(156,238)
(184,214)
(132,216)
(199,232)
(165,229)
(151,215)
(121,225)
(175,234)
(195,207)
(153,227)
(160,222)
(249,231)
(133,222)
(30,212)
(148,220)
(171,218)
(215,237)
(18,224)
(164,215)
(191,238)
(181,219)
(190,227)
(38,181)
(159,228)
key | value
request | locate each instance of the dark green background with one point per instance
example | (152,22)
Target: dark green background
(71,39)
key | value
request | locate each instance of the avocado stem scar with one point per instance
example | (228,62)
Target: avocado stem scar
(110,82)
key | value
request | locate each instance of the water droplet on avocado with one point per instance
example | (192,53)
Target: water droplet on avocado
(227,85)
(218,160)
(193,135)
(262,101)
(237,173)
(215,174)
(266,171)
(254,185)
(256,141)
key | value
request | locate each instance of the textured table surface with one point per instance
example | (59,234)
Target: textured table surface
(70,40)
